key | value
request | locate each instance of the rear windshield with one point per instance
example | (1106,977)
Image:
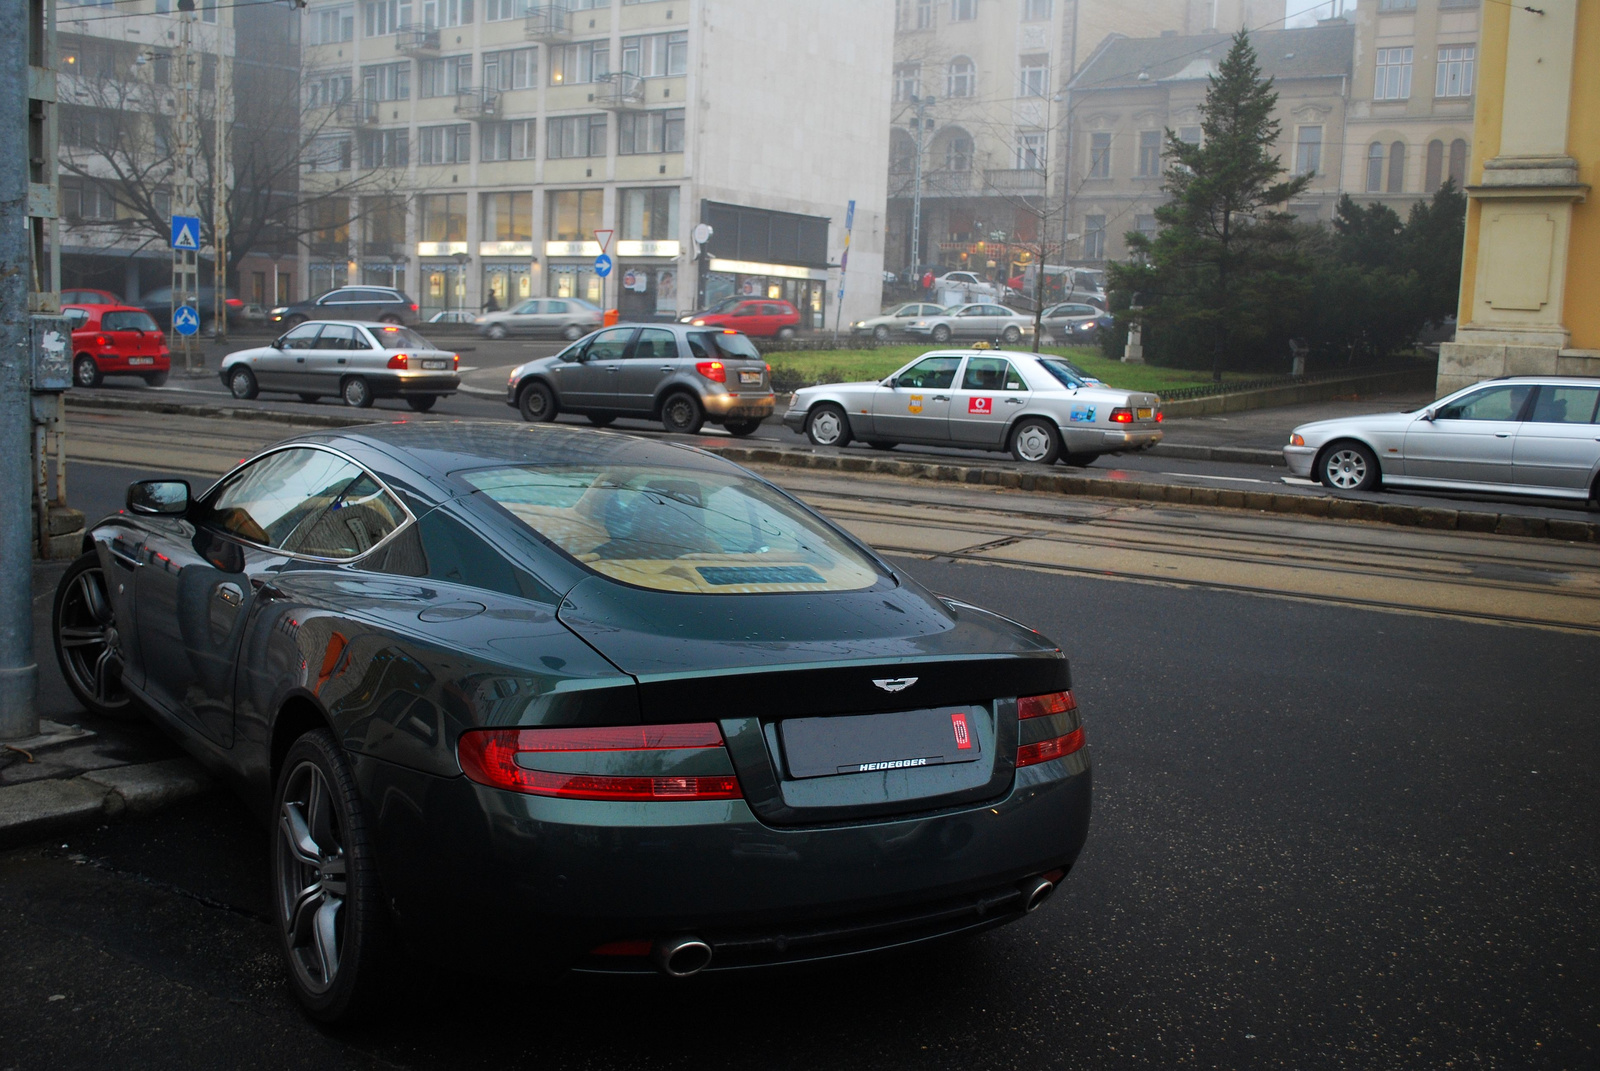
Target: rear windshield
(127,321)
(1061,370)
(679,530)
(728,344)
(393,337)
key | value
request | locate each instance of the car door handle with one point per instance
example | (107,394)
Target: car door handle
(1502,435)
(666,368)
(122,558)
(299,360)
(941,397)
(230,594)
(1013,401)
(341,360)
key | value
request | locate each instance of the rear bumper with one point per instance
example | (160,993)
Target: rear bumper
(115,364)
(401,384)
(739,406)
(562,877)
(1119,441)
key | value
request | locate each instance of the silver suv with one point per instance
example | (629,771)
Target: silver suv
(680,375)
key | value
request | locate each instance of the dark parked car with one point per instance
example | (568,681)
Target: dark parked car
(158,303)
(541,699)
(383,304)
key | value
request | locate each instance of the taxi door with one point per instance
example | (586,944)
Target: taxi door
(916,407)
(990,395)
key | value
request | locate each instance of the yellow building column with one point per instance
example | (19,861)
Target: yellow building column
(1527,180)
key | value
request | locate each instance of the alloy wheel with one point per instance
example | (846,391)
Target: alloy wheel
(312,878)
(825,427)
(87,639)
(1033,443)
(1346,469)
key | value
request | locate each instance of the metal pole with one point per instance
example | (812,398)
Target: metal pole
(916,195)
(19,676)
(185,199)
(219,196)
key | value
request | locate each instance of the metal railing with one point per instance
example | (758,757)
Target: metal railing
(479,103)
(619,90)
(1234,386)
(550,23)
(1015,180)
(356,111)
(415,41)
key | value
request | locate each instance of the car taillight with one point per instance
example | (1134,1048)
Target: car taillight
(1059,737)
(413,306)
(713,371)
(233,302)
(455,360)
(510,759)
(1122,416)
(1158,416)
(400,361)
(101,340)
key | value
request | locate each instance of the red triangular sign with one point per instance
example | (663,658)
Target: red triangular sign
(604,238)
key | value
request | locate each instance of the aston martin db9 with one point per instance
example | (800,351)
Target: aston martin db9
(539,699)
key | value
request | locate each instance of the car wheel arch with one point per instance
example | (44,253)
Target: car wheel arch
(299,713)
(1331,444)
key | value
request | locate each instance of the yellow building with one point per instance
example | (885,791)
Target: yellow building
(1530,281)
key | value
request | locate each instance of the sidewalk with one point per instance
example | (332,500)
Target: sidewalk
(1257,436)
(82,770)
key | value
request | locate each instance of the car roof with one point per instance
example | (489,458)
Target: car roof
(100,310)
(1565,381)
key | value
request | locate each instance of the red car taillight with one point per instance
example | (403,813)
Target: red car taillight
(490,757)
(713,371)
(1158,416)
(400,361)
(1122,416)
(101,340)
(233,302)
(1058,705)
(413,307)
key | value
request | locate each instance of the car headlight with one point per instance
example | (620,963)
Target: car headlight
(698,323)
(920,323)
(480,319)
(1297,439)
(280,310)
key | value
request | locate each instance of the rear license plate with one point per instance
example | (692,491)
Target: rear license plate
(435,366)
(141,360)
(748,376)
(1145,412)
(865,743)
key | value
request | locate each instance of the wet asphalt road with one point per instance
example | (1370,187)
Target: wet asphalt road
(1324,837)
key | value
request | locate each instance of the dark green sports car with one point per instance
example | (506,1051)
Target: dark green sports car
(540,698)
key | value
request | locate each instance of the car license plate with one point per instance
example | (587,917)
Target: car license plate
(141,360)
(1145,412)
(867,743)
(747,375)
(435,366)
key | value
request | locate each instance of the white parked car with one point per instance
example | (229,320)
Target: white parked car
(355,360)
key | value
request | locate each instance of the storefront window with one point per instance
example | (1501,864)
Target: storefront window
(719,286)
(650,214)
(509,283)
(325,277)
(574,281)
(444,287)
(380,274)
(383,225)
(574,217)
(444,217)
(508,217)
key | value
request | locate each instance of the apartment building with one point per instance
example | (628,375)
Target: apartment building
(1135,89)
(992,153)
(487,141)
(1411,100)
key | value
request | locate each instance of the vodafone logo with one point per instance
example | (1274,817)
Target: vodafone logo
(981,406)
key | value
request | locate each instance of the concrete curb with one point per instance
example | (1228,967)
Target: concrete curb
(35,810)
(1304,505)
(207,409)
(1239,454)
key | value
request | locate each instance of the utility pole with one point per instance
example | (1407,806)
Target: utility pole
(219,195)
(185,195)
(921,104)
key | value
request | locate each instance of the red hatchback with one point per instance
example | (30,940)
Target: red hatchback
(756,317)
(116,340)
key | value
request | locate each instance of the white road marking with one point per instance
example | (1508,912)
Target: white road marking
(1204,476)
(1300,481)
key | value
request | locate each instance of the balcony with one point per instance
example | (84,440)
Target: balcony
(620,92)
(1019,180)
(550,24)
(356,112)
(946,181)
(416,42)
(480,105)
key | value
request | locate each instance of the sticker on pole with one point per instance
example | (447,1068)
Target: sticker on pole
(186,232)
(602,265)
(185,320)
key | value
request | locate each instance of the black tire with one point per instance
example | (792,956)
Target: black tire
(882,444)
(536,403)
(156,379)
(827,425)
(1346,465)
(1011,335)
(333,926)
(421,403)
(496,331)
(941,333)
(600,420)
(572,332)
(1081,461)
(1036,441)
(389,318)
(880,333)
(242,384)
(786,333)
(682,413)
(355,391)
(741,428)
(311,399)
(85,373)
(83,623)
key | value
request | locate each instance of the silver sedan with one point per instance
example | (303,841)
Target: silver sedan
(979,320)
(1033,405)
(1535,435)
(355,360)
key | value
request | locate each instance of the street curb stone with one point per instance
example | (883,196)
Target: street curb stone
(35,810)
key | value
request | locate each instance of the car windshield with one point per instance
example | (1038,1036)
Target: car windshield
(1069,374)
(728,343)
(725,305)
(130,320)
(395,337)
(679,530)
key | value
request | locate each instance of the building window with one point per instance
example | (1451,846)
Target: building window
(385,148)
(386,81)
(383,225)
(1190,135)
(1034,74)
(437,13)
(450,144)
(82,199)
(512,140)
(958,154)
(574,215)
(1100,155)
(325,90)
(656,55)
(1145,224)
(330,227)
(444,77)
(1375,168)
(382,17)
(1397,167)
(88,128)
(1386,6)
(443,217)
(649,132)
(507,217)
(1036,10)
(649,215)
(1308,150)
(1094,237)
(907,81)
(208,10)
(501,10)
(961,78)
(580,64)
(1458,163)
(516,68)
(1455,71)
(1394,74)
(330,25)
(1149,153)
(576,136)
(1433,170)
(1030,151)
(329,153)
(963,10)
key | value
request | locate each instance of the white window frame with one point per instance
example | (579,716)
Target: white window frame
(1393,78)
(961,77)
(1307,154)
(1033,76)
(1457,67)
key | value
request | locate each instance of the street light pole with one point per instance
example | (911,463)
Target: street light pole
(921,104)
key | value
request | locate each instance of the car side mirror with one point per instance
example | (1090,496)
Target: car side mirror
(1428,415)
(893,382)
(162,498)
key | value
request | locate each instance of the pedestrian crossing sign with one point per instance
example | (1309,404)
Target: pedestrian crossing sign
(186,232)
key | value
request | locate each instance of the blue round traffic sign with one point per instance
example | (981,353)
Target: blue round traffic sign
(185,320)
(602,265)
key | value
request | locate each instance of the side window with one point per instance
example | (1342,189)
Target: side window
(699,346)
(655,344)
(1502,402)
(610,345)
(304,501)
(989,373)
(338,337)
(558,308)
(527,308)
(303,337)
(748,309)
(931,373)
(1565,405)
(76,318)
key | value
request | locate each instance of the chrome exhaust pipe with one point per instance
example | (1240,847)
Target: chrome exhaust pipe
(1036,892)
(681,957)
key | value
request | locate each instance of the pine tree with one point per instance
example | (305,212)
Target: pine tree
(1222,267)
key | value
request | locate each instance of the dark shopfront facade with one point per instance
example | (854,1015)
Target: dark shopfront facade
(755,252)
